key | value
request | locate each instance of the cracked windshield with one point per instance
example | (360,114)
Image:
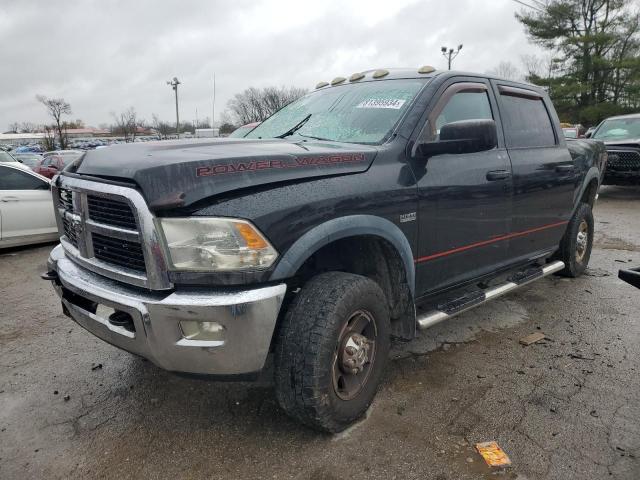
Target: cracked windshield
(355,113)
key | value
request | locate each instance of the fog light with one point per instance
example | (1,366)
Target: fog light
(204,331)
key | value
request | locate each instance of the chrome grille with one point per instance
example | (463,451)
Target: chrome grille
(65,197)
(111,212)
(70,232)
(119,252)
(109,230)
(623,160)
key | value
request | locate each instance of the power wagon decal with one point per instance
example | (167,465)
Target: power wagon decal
(223,169)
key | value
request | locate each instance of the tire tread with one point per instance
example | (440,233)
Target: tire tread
(306,334)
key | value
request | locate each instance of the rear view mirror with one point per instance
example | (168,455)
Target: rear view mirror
(466,136)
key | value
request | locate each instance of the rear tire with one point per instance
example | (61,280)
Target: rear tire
(576,245)
(331,350)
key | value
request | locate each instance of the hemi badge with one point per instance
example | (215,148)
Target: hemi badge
(408,217)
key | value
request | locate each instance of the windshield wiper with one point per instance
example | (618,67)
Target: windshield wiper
(295,128)
(317,138)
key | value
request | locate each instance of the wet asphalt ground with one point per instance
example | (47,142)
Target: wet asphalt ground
(72,406)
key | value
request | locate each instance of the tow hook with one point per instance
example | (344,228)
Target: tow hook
(51,276)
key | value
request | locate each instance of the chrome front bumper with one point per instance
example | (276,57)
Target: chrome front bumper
(247,317)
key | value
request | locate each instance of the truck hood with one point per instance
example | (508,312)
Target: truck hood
(633,142)
(178,173)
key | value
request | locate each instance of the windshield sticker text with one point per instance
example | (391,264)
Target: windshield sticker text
(394,103)
(253,166)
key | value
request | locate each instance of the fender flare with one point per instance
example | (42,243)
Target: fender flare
(592,173)
(342,227)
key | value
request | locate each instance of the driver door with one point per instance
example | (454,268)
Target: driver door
(464,199)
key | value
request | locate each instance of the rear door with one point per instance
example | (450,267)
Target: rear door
(543,171)
(26,207)
(465,199)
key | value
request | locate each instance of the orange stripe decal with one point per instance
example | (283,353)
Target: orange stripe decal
(489,241)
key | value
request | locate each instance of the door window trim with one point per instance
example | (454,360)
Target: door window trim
(527,94)
(519,92)
(442,90)
(434,97)
(449,93)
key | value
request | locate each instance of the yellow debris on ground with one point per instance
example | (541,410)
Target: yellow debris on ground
(493,454)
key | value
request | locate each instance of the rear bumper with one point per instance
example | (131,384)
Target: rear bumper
(247,319)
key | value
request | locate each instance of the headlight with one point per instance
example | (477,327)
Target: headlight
(216,244)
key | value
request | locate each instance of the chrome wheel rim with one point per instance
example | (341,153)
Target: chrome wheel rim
(582,240)
(354,355)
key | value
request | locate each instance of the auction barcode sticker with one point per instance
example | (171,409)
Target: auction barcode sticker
(394,103)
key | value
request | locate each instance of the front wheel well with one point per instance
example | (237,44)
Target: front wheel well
(589,194)
(373,257)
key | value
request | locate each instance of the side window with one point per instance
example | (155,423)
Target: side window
(462,101)
(46,162)
(12,179)
(526,122)
(465,106)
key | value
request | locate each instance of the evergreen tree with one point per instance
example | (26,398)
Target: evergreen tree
(596,51)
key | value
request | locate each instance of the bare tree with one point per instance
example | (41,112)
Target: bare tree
(163,128)
(533,65)
(202,123)
(49,140)
(57,107)
(226,117)
(127,124)
(28,127)
(14,127)
(256,105)
(73,124)
(506,70)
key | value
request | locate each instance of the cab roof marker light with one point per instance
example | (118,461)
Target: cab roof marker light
(338,80)
(426,69)
(356,76)
(322,84)
(380,73)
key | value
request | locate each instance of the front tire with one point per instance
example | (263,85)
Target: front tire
(576,245)
(331,350)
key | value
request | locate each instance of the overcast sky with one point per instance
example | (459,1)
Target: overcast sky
(103,56)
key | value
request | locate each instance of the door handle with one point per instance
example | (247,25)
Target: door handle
(9,199)
(564,168)
(498,175)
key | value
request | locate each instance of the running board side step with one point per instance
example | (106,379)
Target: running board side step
(469,301)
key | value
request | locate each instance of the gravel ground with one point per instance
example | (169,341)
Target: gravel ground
(72,406)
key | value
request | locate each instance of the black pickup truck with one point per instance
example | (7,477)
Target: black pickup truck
(317,236)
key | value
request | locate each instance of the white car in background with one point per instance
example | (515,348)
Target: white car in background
(26,207)
(7,158)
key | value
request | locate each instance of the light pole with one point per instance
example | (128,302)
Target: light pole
(174,84)
(450,53)
(213,106)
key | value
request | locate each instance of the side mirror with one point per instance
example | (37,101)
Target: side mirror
(588,134)
(465,136)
